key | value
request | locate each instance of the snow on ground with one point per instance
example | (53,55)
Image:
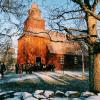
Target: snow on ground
(77,74)
(47,76)
(15,78)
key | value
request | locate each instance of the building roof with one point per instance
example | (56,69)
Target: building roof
(72,48)
(59,44)
(52,35)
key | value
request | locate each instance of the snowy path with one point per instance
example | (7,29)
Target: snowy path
(53,77)
(44,80)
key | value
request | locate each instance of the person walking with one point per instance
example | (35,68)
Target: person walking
(16,68)
(2,69)
(20,70)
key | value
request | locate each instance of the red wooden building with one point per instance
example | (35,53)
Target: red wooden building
(38,43)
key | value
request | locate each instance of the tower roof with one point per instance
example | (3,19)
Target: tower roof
(35,12)
(34,6)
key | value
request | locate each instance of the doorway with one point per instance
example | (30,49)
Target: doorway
(38,60)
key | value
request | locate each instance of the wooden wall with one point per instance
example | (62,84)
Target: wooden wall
(30,47)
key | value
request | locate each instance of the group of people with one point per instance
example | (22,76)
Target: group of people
(28,68)
(2,69)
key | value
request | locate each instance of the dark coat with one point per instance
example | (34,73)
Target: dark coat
(3,68)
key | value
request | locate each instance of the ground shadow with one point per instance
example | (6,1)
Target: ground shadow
(30,86)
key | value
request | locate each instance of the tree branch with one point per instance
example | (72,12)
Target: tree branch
(74,29)
(94,4)
(74,18)
(86,8)
(62,13)
(94,15)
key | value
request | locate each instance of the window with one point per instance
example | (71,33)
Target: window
(75,60)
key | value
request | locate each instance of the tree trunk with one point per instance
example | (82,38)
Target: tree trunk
(91,69)
(92,29)
(94,58)
(97,72)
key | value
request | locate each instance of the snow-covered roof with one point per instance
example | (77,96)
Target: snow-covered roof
(65,48)
(52,35)
(59,44)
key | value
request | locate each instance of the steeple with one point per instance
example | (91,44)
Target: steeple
(34,19)
(35,11)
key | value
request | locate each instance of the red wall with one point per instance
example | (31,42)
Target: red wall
(30,47)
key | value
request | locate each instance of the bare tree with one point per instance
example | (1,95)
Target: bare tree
(79,16)
(79,20)
(12,16)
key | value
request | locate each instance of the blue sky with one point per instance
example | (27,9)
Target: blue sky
(50,3)
(44,5)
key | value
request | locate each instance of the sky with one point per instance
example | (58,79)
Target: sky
(50,3)
(44,5)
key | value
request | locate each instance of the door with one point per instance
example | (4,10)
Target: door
(38,60)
